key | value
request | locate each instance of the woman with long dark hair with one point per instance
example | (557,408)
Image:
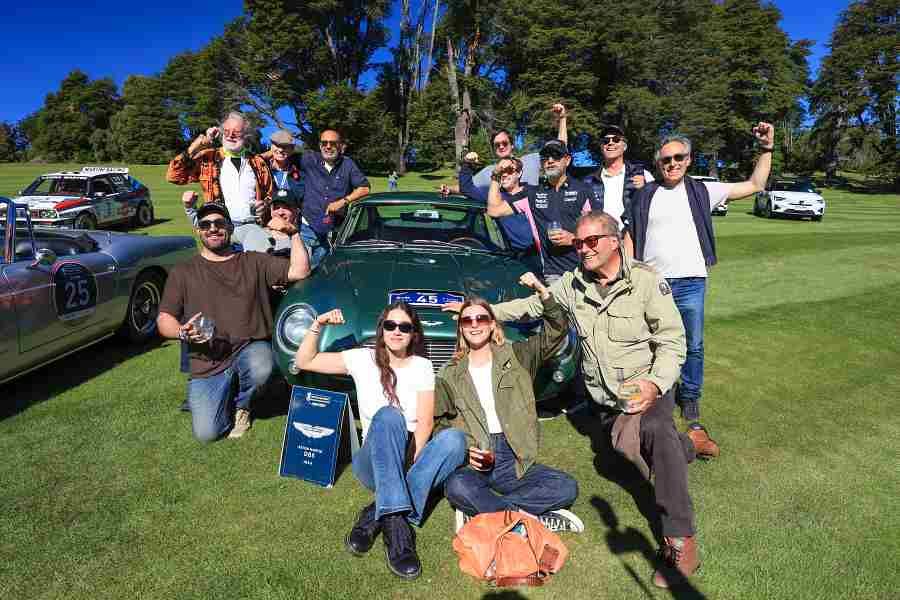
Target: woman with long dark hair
(395,393)
(486,390)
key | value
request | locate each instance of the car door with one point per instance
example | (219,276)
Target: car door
(107,201)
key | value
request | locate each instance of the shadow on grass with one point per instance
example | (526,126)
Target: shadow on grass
(504,595)
(67,373)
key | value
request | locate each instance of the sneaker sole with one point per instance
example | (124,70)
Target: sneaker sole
(577,524)
(387,560)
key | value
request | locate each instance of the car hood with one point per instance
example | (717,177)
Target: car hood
(798,196)
(49,201)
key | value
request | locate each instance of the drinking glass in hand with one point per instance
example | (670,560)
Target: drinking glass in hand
(554,227)
(206,327)
(487,455)
(629,397)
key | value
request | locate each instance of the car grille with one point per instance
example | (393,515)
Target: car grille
(438,351)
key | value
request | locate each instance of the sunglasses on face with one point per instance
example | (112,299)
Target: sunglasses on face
(554,155)
(612,139)
(206,225)
(233,132)
(470,321)
(404,327)
(326,143)
(590,241)
(501,144)
(508,171)
(284,148)
(676,157)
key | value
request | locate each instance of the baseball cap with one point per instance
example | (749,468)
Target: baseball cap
(612,130)
(554,149)
(213,207)
(283,138)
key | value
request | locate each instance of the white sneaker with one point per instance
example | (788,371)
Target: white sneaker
(461,519)
(241,423)
(561,520)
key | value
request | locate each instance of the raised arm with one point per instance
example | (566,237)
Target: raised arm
(299,268)
(765,137)
(467,185)
(559,113)
(537,349)
(496,206)
(308,357)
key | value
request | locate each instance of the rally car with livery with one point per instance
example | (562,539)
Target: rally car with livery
(63,289)
(422,248)
(87,199)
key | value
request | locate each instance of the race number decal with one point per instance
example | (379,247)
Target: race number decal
(74,291)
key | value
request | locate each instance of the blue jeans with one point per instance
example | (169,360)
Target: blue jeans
(540,490)
(210,397)
(689,294)
(379,465)
(316,246)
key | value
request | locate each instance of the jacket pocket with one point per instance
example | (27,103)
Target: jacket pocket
(625,322)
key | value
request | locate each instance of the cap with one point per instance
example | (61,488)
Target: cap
(554,148)
(283,138)
(285,197)
(612,130)
(213,207)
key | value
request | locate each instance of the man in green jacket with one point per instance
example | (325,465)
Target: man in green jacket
(487,391)
(633,346)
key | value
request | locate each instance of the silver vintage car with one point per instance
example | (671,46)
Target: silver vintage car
(61,290)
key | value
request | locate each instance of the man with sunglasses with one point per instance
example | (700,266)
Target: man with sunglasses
(670,226)
(557,201)
(230,174)
(502,145)
(333,181)
(632,345)
(616,181)
(232,289)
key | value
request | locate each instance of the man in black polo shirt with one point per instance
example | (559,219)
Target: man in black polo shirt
(555,203)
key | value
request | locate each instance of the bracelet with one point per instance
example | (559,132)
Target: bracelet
(183,335)
(769,149)
(316,330)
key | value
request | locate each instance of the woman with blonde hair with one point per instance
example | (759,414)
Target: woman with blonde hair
(399,460)
(486,390)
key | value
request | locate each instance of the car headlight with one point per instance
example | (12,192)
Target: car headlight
(294,324)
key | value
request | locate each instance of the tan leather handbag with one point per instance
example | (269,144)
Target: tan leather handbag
(509,548)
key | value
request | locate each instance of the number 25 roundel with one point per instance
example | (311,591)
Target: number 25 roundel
(74,291)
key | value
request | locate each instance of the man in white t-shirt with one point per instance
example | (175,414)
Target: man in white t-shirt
(670,227)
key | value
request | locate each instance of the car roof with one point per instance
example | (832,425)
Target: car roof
(412,197)
(88,172)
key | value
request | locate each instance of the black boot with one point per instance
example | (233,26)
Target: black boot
(400,547)
(362,536)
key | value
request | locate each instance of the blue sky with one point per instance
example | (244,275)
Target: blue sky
(44,41)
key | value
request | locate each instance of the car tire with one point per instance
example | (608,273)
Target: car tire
(817,218)
(767,210)
(143,308)
(85,221)
(143,216)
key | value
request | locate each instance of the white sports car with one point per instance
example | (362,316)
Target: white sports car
(790,198)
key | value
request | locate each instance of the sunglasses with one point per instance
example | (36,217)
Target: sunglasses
(554,154)
(326,143)
(502,144)
(508,171)
(590,241)
(481,319)
(404,327)
(612,139)
(207,225)
(676,157)
(284,148)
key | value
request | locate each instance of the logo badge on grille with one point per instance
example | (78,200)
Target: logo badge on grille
(431,323)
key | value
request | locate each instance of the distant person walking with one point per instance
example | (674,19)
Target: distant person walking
(392,181)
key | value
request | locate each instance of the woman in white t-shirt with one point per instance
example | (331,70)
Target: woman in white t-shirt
(395,393)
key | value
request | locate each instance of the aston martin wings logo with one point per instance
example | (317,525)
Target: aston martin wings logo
(431,323)
(313,431)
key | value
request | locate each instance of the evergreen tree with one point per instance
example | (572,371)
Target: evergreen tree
(146,130)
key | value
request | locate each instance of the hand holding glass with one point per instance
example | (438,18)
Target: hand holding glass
(206,328)
(629,397)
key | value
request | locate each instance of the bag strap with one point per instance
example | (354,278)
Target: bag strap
(530,581)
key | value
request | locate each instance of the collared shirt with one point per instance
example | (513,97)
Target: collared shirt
(564,205)
(239,190)
(324,187)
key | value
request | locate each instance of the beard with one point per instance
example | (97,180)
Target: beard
(233,146)
(554,173)
(219,245)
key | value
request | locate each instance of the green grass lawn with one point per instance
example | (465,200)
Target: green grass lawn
(106,495)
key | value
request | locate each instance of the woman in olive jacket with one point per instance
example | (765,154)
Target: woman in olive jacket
(486,390)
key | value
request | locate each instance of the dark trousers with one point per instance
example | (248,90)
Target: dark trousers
(541,489)
(667,452)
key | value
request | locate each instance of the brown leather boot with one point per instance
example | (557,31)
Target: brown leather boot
(704,445)
(679,559)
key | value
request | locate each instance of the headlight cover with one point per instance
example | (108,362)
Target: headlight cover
(294,324)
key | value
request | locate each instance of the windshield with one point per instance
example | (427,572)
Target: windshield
(423,223)
(57,186)
(795,186)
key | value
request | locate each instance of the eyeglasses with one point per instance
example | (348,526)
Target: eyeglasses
(207,225)
(553,154)
(676,157)
(233,132)
(470,321)
(590,241)
(404,327)
(612,139)
(501,144)
(285,149)
(508,171)
(326,143)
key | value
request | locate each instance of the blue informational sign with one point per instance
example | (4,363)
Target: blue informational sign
(312,434)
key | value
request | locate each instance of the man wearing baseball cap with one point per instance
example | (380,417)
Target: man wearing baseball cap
(218,303)
(555,204)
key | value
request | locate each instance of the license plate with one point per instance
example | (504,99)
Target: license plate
(415,298)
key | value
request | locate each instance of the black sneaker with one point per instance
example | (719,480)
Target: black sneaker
(400,547)
(561,520)
(362,536)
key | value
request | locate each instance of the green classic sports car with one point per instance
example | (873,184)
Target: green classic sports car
(425,249)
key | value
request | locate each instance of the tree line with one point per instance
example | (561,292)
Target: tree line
(456,70)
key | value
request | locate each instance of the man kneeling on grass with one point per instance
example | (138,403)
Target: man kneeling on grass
(218,302)
(486,390)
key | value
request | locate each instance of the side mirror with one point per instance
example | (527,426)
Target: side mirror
(44,258)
